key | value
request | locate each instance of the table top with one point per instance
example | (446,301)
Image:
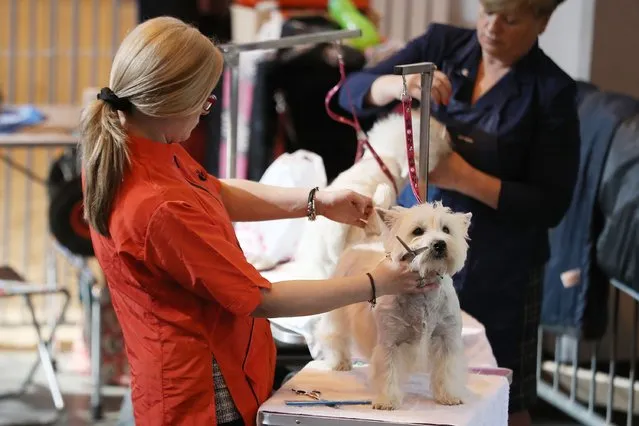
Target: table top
(487,404)
(58,129)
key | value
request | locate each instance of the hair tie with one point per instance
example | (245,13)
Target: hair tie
(120,104)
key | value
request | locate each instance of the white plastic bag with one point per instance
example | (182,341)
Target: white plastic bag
(268,243)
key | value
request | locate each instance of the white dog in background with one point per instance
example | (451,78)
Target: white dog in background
(405,333)
(323,241)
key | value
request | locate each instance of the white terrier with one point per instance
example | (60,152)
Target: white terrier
(403,334)
(323,241)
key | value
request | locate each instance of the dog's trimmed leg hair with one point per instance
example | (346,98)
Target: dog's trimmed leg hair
(387,374)
(449,372)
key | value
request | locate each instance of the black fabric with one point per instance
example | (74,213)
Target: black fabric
(302,78)
(216,26)
(264,121)
(581,309)
(120,104)
(239,422)
(618,244)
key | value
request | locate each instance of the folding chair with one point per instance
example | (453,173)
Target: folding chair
(14,285)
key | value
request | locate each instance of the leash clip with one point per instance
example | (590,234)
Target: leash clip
(404,87)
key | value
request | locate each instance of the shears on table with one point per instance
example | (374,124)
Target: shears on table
(316,396)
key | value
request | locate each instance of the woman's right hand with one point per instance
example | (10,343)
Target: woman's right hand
(389,88)
(441,89)
(395,278)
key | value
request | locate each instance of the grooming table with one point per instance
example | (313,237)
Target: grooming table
(299,330)
(487,405)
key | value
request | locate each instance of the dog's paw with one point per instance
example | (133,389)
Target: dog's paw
(342,365)
(385,404)
(447,399)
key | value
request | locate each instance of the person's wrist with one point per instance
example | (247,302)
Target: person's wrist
(316,203)
(394,88)
(385,90)
(465,173)
(381,283)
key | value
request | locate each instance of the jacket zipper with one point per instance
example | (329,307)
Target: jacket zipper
(248,347)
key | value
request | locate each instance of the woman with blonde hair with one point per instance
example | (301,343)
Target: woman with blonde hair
(192,309)
(512,115)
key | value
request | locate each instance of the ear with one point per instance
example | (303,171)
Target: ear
(543,24)
(465,220)
(387,216)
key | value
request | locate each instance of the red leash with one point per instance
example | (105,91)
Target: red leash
(410,146)
(362,139)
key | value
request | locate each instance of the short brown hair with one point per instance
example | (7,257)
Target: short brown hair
(539,7)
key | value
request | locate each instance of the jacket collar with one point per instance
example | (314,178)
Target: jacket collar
(463,65)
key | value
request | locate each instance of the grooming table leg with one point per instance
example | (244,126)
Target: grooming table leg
(96,353)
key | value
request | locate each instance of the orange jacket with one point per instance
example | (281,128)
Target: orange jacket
(183,292)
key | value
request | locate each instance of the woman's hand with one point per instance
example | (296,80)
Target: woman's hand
(389,88)
(344,206)
(441,88)
(396,278)
(450,173)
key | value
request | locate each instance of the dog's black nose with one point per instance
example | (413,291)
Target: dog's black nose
(439,247)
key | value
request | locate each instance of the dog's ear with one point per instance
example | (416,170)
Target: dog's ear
(465,220)
(387,216)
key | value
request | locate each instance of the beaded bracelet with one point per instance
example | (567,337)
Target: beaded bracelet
(310,205)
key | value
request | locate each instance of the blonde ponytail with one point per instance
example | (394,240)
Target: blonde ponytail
(104,156)
(164,68)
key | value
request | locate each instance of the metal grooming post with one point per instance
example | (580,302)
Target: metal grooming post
(232,59)
(426,69)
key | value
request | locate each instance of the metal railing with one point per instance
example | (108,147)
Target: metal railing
(594,387)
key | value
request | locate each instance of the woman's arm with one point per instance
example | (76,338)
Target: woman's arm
(553,166)
(248,201)
(251,201)
(310,297)
(374,90)
(552,170)
(184,243)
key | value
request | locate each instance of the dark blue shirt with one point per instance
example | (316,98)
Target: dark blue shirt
(524,131)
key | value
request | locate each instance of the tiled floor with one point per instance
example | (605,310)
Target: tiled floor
(76,391)
(77,388)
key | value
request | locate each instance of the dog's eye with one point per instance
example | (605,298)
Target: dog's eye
(418,231)
(446,230)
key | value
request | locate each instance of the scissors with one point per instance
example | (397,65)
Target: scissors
(314,394)
(411,255)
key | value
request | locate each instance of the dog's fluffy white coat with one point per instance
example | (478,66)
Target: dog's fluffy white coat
(323,241)
(405,333)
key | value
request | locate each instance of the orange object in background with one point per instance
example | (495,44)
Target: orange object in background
(302,4)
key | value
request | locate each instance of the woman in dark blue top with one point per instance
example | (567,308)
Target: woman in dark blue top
(512,115)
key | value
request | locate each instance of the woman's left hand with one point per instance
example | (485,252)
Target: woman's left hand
(450,172)
(344,206)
